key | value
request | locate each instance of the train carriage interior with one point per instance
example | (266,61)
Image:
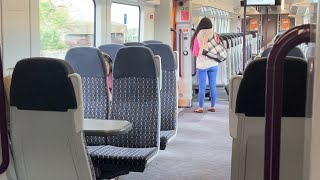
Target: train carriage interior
(143,90)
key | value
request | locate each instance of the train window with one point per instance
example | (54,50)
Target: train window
(125,21)
(65,24)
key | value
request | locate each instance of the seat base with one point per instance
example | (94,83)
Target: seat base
(166,137)
(112,161)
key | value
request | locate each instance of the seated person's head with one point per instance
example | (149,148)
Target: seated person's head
(108,62)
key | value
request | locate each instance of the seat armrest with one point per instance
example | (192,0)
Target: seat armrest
(96,127)
(176,57)
(157,61)
(233,116)
(233,91)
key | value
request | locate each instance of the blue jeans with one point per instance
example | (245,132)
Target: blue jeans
(202,77)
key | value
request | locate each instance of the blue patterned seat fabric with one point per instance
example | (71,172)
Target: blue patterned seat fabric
(134,44)
(152,42)
(111,49)
(168,93)
(136,158)
(89,64)
(136,99)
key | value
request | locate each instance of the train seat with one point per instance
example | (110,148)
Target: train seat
(152,42)
(89,64)
(247,120)
(230,56)
(46,114)
(134,44)
(227,45)
(136,98)
(222,69)
(234,54)
(168,93)
(240,53)
(295,52)
(111,49)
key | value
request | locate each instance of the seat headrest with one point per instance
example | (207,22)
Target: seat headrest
(295,52)
(152,42)
(87,61)
(166,54)
(134,44)
(134,61)
(111,49)
(251,93)
(42,84)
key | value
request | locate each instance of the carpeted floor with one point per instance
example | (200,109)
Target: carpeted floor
(201,150)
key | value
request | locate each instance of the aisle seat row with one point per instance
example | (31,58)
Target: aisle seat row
(247,118)
(144,93)
(78,58)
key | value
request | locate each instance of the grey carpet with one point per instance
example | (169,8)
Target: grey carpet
(201,150)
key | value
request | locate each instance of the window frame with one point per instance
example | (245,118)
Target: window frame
(130,4)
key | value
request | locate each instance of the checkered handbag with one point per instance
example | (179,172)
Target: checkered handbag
(215,49)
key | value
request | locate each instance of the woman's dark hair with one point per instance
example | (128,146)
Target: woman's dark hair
(108,60)
(205,23)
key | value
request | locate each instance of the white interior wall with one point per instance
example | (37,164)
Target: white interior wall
(149,15)
(163,21)
(314,173)
(235,23)
(19,35)
(299,19)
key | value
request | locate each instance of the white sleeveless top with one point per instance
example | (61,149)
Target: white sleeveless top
(203,62)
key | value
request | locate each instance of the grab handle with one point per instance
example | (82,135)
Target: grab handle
(274,94)
(180,52)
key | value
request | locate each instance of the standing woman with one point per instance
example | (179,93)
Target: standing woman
(205,66)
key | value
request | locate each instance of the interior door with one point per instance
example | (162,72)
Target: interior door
(269,28)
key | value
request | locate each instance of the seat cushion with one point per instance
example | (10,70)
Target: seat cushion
(165,136)
(131,159)
(92,149)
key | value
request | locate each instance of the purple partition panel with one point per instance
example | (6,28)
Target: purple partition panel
(287,41)
(3,124)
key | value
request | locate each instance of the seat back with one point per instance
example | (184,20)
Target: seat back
(136,98)
(251,94)
(152,42)
(46,121)
(111,49)
(134,44)
(168,93)
(295,52)
(89,64)
(249,127)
